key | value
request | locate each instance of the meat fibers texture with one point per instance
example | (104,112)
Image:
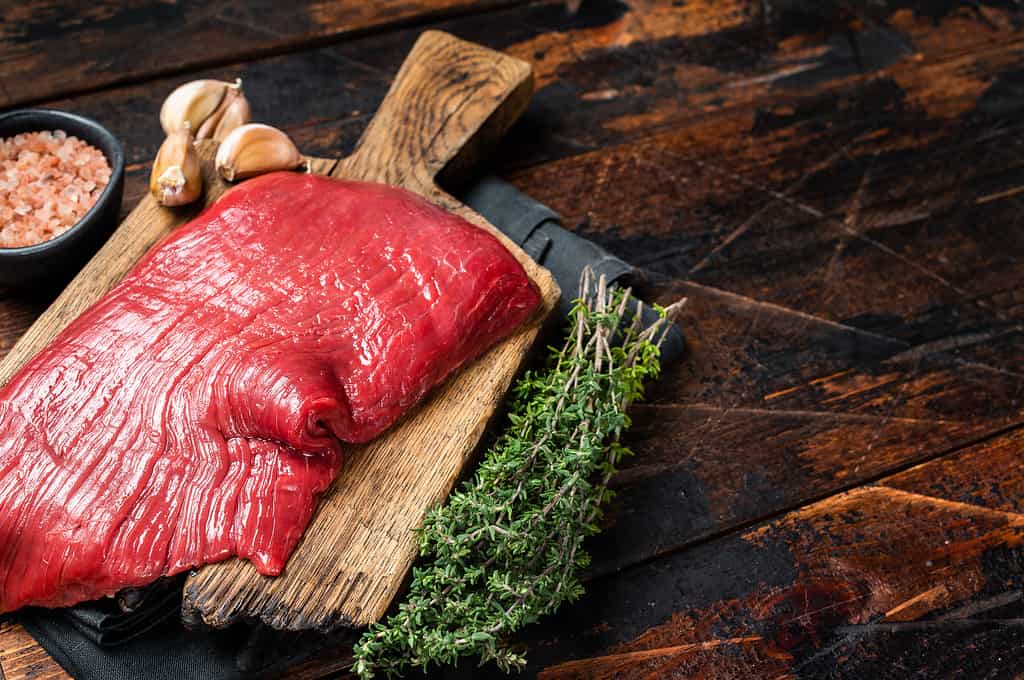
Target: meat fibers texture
(198,409)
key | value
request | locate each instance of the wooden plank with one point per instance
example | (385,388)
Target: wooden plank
(178,37)
(918,575)
(666,48)
(701,59)
(852,277)
(808,341)
(21,657)
(287,91)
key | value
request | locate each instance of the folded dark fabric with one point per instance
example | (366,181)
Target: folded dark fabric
(140,635)
(114,620)
(164,652)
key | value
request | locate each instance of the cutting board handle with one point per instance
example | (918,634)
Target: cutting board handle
(445,92)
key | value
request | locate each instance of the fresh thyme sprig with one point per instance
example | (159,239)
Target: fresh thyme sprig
(506,547)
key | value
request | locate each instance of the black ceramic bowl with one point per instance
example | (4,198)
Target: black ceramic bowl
(53,262)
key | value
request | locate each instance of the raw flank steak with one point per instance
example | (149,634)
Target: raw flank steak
(197,410)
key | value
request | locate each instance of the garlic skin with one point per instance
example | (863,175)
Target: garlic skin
(236,114)
(232,112)
(194,103)
(255,149)
(176,178)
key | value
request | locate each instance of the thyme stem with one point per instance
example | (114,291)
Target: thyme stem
(505,548)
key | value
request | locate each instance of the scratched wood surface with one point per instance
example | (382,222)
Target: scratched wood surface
(181,36)
(830,484)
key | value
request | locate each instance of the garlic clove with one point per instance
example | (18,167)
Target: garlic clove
(255,149)
(176,178)
(229,110)
(205,130)
(236,114)
(193,103)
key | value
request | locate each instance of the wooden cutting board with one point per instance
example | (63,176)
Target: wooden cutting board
(449,100)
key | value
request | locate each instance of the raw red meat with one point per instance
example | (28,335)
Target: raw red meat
(195,411)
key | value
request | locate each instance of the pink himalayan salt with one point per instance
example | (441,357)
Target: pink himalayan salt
(48,181)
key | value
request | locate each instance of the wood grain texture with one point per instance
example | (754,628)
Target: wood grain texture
(619,72)
(22,658)
(918,575)
(179,36)
(853,283)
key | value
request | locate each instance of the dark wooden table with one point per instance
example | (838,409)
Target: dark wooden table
(830,485)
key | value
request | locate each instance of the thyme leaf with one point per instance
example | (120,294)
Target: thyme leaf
(505,549)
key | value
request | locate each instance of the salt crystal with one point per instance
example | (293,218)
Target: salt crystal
(48,180)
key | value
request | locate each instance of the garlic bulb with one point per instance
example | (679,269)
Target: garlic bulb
(255,149)
(176,178)
(199,103)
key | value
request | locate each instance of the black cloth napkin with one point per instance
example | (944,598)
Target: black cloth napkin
(113,620)
(139,634)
